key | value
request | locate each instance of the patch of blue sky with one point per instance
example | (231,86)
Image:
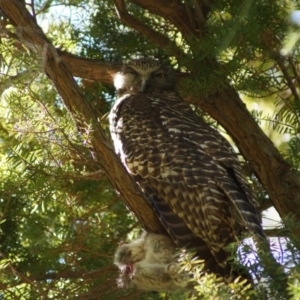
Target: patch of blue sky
(58,12)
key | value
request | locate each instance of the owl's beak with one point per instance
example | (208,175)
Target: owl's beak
(143,85)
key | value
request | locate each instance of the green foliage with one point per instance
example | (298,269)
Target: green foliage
(60,219)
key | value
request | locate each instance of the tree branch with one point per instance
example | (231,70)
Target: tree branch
(278,58)
(173,11)
(295,71)
(280,181)
(101,150)
(154,36)
(89,68)
(228,109)
(276,175)
(277,232)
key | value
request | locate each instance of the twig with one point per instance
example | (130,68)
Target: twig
(199,13)
(296,74)
(156,37)
(32,5)
(277,232)
(287,77)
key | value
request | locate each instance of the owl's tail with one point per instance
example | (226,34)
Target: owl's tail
(184,238)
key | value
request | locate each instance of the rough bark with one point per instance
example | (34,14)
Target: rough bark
(279,180)
(276,175)
(101,149)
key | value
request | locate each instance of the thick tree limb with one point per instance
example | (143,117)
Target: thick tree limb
(276,175)
(281,183)
(101,150)
(88,68)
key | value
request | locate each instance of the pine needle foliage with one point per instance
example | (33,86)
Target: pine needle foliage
(60,218)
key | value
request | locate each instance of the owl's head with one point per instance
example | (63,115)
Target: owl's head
(130,253)
(144,75)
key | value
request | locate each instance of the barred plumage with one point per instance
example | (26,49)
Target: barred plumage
(186,169)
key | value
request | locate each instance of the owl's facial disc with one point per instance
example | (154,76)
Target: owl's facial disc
(143,76)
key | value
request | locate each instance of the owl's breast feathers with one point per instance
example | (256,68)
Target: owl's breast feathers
(187,170)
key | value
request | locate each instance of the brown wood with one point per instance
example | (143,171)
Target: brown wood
(277,177)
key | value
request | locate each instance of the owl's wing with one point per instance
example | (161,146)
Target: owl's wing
(187,170)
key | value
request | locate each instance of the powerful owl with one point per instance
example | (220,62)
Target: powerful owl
(186,169)
(150,264)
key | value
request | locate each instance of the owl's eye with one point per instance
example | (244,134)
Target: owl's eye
(130,72)
(160,75)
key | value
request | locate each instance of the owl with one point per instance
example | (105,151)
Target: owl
(150,264)
(187,171)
